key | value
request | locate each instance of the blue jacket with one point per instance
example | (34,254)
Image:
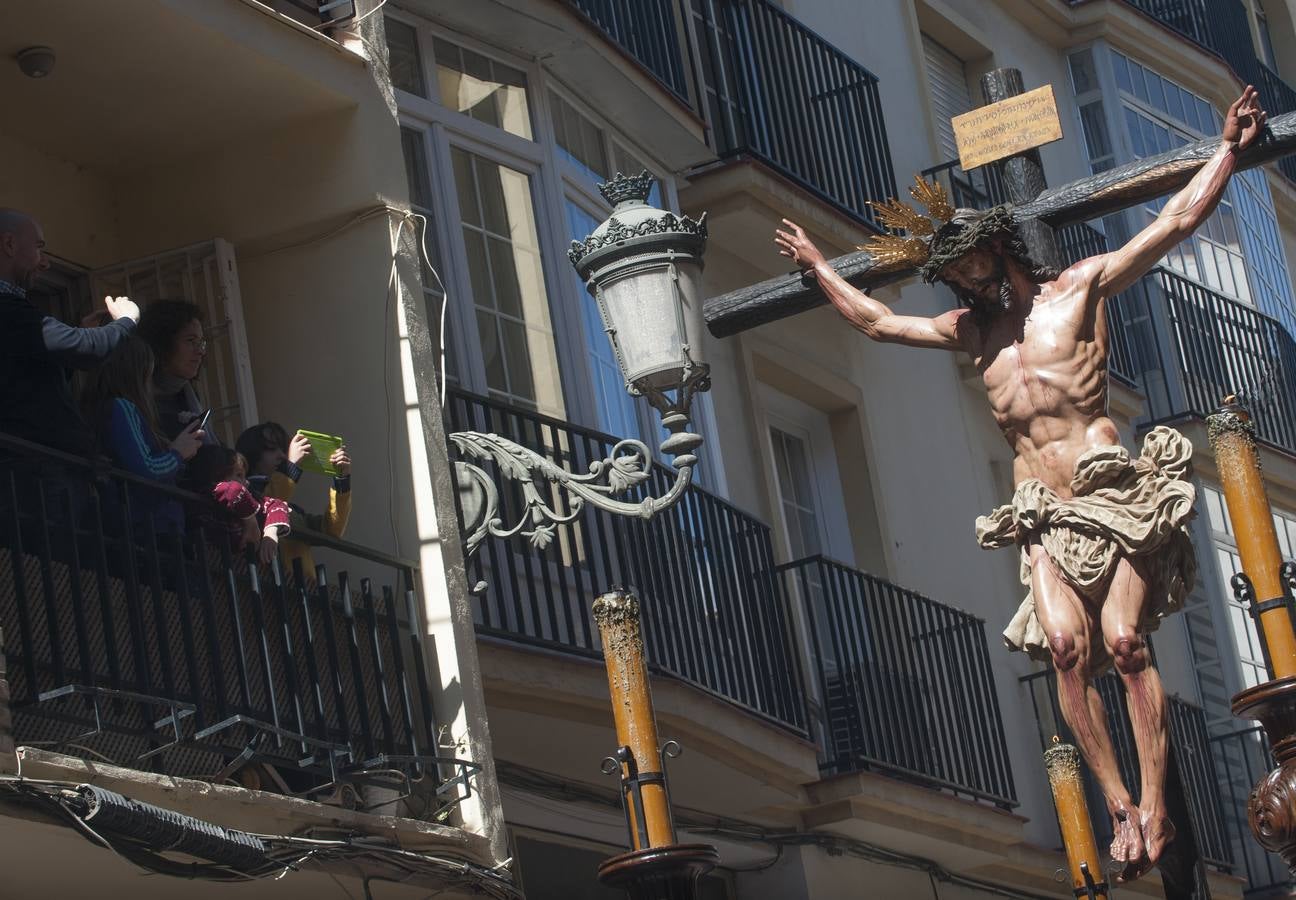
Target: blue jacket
(132,446)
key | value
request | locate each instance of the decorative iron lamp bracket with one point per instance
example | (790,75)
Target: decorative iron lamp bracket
(626,465)
(643,267)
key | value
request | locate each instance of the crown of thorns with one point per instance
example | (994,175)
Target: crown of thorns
(949,233)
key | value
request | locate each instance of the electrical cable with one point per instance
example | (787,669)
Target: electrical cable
(284,852)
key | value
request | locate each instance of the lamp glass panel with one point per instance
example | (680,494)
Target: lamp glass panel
(642,308)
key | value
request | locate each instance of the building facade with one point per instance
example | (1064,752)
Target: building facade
(373,203)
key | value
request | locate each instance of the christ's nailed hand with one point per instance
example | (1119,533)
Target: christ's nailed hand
(794,244)
(1245,120)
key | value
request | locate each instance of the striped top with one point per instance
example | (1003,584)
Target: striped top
(134,447)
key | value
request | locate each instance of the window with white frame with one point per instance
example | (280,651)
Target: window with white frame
(1246,640)
(1238,251)
(416,173)
(514,163)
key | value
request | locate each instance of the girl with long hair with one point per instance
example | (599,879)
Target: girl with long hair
(117,402)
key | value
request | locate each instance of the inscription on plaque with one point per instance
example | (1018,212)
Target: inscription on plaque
(1006,128)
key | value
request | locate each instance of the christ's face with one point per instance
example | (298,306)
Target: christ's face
(978,276)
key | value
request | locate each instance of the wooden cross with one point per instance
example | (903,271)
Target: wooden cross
(1088,198)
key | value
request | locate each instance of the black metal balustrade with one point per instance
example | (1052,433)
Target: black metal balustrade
(1189,742)
(171,654)
(1242,758)
(769,88)
(714,614)
(1196,346)
(648,30)
(981,188)
(905,684)
(778,92)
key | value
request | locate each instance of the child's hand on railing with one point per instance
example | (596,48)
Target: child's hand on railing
(269,546)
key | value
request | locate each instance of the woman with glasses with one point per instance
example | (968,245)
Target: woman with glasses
(174,329)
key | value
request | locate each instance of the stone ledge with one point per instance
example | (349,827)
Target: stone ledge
(256,811)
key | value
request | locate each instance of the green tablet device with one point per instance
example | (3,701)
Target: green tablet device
(322,447)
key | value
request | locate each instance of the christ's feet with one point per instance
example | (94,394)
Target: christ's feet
(1158,832)
(1128,850)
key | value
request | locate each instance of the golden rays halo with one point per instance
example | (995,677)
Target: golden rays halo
(896,250)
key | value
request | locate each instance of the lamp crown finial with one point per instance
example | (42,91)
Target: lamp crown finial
(628,187)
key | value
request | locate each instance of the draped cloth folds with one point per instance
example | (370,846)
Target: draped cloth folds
(1121,507)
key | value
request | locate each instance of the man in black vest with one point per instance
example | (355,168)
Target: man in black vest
(37,351)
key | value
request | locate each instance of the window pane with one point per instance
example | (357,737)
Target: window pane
(487,90)
(1095,130)
(579,139)
(508,288)
(416,170)
(1122,72)
(406,64)
(1082,72)
(504,276)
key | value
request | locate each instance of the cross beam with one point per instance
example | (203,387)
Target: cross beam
(1088,198)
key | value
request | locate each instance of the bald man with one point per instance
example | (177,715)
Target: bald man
(36,351)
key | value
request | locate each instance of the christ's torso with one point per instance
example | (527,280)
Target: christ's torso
(1046,377)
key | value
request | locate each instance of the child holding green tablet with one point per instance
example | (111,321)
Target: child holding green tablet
(275,465)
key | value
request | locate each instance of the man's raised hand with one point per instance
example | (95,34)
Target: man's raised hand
(794,244)
(122,307)
(1245,120)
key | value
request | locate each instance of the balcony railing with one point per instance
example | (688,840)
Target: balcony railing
(1189,742)
(162,652)
(1222,27)
(776,91)
(905,685)
(648,30)
(769,88)
(1194,346)
(714,614)
(981,188)
(1242,758)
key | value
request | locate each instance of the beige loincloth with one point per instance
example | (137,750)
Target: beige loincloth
(1122,507)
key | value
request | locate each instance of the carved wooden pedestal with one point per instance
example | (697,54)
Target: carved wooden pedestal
(1272,809)
(660,873)
(1266,585)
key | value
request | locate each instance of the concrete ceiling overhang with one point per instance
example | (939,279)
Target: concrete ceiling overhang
(587,62)
(139,82)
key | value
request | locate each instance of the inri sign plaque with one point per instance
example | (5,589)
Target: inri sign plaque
(1012,126)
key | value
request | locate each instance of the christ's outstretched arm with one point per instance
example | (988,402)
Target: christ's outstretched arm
(1186,211)
(875,319)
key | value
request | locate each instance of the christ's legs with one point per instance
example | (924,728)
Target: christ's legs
(1072,635)
(1122,614)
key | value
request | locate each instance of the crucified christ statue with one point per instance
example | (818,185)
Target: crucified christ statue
(1105,551)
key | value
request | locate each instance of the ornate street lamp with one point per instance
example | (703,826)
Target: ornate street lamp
(644,267)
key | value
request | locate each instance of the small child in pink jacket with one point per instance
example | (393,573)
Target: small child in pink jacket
(221,473)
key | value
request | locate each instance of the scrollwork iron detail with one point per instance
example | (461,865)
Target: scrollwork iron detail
(627,464)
